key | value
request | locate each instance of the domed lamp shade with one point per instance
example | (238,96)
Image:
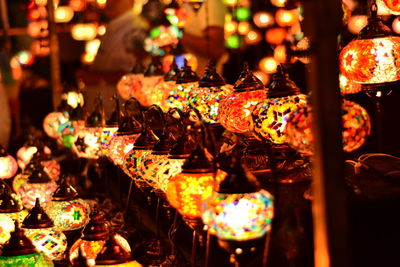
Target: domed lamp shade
(372,59)
(128,131)
(39,228)
(270,115)
(39,185)
(130,82)
(26,152)
(10,210)
(356,128)
(185,82)
(207,96)
(153,76)
(8,164)
(20,251)
(52,121)
(188,190)
(234,112)
(162,90)
(67,210)
(94,237)
(240,212)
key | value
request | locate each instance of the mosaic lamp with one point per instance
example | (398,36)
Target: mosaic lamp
(39,185)
(234,112)
(86,143)
(185,82)
(372,59)
(8,164)
(162,90)
(209,93)
(356,128)
(52,122)
(11,210)
(39,228)
(239,213)
(128,131)
(110,127)
(188,190)
(130,82)
(270,115)
(66,209)
(20,251)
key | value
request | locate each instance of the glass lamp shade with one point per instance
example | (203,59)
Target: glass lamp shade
(106,135)
(347,86)
(52,122)
(91,249)
(149,166)
(388,7)
(161,93)
(8,166)
(25,154)
(356,128)
(371,61)
(239,217)
(6,227)
(147,90)
(30,191)
(68,215)
(120,145)
(86,143)
(270,116)
(166,170)
(128,84)
(130,166)
(31,260)
(207,100)
(286,17)
(49,241)
(52,168)
(179,95)
(187,191)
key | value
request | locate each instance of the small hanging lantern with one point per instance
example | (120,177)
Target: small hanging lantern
(8,164)
(234,112)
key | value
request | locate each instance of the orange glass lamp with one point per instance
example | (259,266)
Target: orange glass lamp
(130,82)
(372,59)
(66,209)
(269,116)
(276,35)
(286,17)
(39,185)
(207,96)
(20,251)
(185,82)
(124,139)
(8,164)
(234,112)
(163,89)
(347,86)
(188,190)
(240,213)
(11,210)
(356,128)
(39,228)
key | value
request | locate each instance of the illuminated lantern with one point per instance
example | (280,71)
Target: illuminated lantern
(243,13)
(388,7)
(279,3)
(270,115)
(356,128)
(10,210)
(373,58)
(253,37)
(8,165)
(240,213)
(357,23)
(84,31)
(276,35)
(263,19)
(63,14)
(286,17)
(234,112)
(268,65)
(77,5)
(185,82)
(141,149)
(396,25)
(347,86)
(262,76)
(244,27)
(125,137)
(94,237)
(39,185)
(52,121)
(130,82)
(163,89)
(67,210)
(209,93)
(188,190)
(230,27)
(20,251)
(39,228)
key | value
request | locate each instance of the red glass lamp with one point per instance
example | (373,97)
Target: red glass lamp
(8,164)
(234,112)
(372,59)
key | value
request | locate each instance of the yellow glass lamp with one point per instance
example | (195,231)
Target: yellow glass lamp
(234,112)
(20,251)
(163,89)
(66,209)
(39,228)
(8,164)
(153,76)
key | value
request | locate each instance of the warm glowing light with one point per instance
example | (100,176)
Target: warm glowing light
(92,46)
(253,37)
(179,95)
(268,65)
(101,3)
(347,86)
(230,27)
(63,14)
(263,19)
(77,5)
(52,121)
(8,166)
(276,35)
(41,2)
(388,7)
(168,169)
(69,215)
(396,25)
(120,145)
(30,191)
(356,23)
(244,27)
(86,144)
(38,28)
(101,30)
(285,17)
(34,260)
(25,58)
(49,241)
(6,227)
(87,58)
(40,48)
(279,3)
(84,31)
(25,154)
(128,84)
